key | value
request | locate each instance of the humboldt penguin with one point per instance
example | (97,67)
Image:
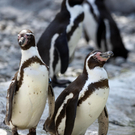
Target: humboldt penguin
(58,42)
(83,101)
(100,27)
(29,89)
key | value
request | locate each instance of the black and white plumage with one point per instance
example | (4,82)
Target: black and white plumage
(28,91)
(58,42)
(83,101)
(100,27)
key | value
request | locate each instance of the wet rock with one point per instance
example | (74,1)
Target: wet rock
(3,132)
(36,16)
(119,60)
(47,14)
(2,26)
(115,5)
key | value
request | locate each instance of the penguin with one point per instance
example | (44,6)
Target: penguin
(100,27)
(29,89)
(57,44)
(83,101)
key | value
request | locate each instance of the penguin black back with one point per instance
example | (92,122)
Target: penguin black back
(28,87)
(81,103)
(118,47)
(56,45)
(107,34)
(58,25)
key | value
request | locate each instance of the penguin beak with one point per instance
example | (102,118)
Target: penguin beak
(107,55)
(21,41)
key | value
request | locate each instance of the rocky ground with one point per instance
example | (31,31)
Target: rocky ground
(16,15)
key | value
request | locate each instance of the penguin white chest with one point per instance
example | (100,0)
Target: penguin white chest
(90,23)
(90,109)
(29,101)
(87,112)
(92,100)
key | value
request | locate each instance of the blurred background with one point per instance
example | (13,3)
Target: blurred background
(16,15)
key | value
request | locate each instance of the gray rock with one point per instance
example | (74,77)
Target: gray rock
(123,6)
(36,16)
(47,14)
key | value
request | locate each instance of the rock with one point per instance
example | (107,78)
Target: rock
(119,104)
(123,6)
(35,15)
(47,14)
(119,61)
(4,132)
(2,26)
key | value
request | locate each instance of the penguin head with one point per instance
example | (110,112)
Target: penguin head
(75,2)
(26,39)
(97,58)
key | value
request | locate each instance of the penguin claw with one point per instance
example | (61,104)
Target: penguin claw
(14,131)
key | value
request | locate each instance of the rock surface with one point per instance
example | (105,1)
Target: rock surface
(128,6)
(36,16)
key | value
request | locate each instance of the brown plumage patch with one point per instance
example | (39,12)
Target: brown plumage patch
(26,64)
(93,87)
(10,94)
(106,114)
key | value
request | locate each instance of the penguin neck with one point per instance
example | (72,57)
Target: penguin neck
(94,6)
(27,54)
(74,11)
(92,1)
(96,74)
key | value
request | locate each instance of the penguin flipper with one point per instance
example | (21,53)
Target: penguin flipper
(62,46)
(103,122)
(49,125)
(100,32)
(70,115)
(11,92)
(51,101)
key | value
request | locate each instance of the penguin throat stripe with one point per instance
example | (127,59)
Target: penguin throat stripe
(92,11)
(93,87)
(26,64)
(78,20)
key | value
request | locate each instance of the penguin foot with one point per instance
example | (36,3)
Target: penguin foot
(60,83)
(32,131)
(14,131)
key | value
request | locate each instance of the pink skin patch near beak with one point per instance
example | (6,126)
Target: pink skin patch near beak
(21,38)
(100,57)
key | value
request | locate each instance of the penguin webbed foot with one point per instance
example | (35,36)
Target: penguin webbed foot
(32,131)
(49,126)
(60,83)
(103,122)
(14,131)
